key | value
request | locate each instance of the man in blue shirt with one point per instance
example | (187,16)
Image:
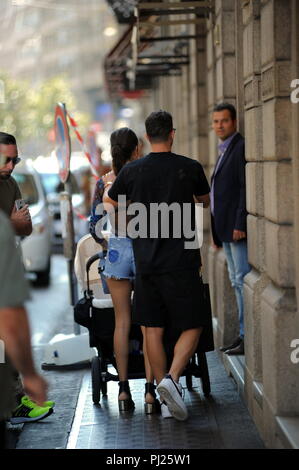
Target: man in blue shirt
(228,208)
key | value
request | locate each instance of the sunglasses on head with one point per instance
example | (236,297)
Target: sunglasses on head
(14,160)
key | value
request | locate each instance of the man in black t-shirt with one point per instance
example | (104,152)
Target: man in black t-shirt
(162,187)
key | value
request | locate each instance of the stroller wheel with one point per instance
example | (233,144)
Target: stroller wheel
(103,384)
(96,379)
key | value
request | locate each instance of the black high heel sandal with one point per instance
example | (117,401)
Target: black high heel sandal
(127,404)
(151,408)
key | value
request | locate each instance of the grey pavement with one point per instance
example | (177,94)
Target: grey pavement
(219,422)
(64,388)
(47,306)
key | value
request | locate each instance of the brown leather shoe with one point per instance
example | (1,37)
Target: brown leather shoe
(231,346)
(238,351)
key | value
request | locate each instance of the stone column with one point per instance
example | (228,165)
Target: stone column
(295,139)
(278,306)
(256,280)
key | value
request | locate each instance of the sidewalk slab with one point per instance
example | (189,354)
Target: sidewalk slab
(220,422)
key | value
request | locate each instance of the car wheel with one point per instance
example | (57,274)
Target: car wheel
(43,277)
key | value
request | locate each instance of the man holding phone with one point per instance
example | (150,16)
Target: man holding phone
(9,190)
(12,204)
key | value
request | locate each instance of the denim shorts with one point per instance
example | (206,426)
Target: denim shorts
(120,263)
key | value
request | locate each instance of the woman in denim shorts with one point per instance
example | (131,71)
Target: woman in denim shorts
(120,273)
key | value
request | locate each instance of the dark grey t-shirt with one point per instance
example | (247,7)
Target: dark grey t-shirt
(13,293)
(9,192)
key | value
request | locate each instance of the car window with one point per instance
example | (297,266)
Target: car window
(27,187)
(52,183)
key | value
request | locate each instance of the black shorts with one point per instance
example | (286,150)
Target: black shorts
(170,299)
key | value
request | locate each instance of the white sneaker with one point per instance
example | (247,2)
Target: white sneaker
(165,413)
(171,393)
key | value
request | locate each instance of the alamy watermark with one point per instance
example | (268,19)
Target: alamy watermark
(295,93)
(154,220)
(295,353)
(295,342)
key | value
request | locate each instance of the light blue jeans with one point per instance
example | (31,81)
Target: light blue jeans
(238,267)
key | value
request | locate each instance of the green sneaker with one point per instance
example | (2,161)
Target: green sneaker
(28,402)
(28,412)
(49,403)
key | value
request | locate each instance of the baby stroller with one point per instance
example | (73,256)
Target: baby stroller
(101,321)
(101,329)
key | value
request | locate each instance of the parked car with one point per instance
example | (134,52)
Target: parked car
(36,248)
(47,168)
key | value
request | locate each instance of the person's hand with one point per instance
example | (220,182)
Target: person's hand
(36,388)
(213,244)
(109,177)
(216,247)
(22,215)
(238,235)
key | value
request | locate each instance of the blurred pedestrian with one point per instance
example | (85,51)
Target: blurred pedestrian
(228,208)
(15,336)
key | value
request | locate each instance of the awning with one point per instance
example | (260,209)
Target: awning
(123,10)
(147,48)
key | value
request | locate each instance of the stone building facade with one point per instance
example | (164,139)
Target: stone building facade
(247,53)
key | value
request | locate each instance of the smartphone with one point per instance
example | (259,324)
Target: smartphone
(19,203)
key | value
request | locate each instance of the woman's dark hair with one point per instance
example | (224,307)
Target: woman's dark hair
(123,142)
(7,139)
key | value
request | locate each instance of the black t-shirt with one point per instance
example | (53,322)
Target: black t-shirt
(162,178)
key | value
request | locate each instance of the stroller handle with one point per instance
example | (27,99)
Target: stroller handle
(91,260)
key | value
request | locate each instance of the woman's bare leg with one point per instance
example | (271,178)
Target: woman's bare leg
(121,297)
(156,352)
(148,370)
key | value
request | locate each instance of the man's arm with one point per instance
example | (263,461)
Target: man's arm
(118,188)
(21,221)
(14,331)
(201,186)
(240,224)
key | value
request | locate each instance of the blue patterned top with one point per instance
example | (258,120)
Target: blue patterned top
(97,213)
